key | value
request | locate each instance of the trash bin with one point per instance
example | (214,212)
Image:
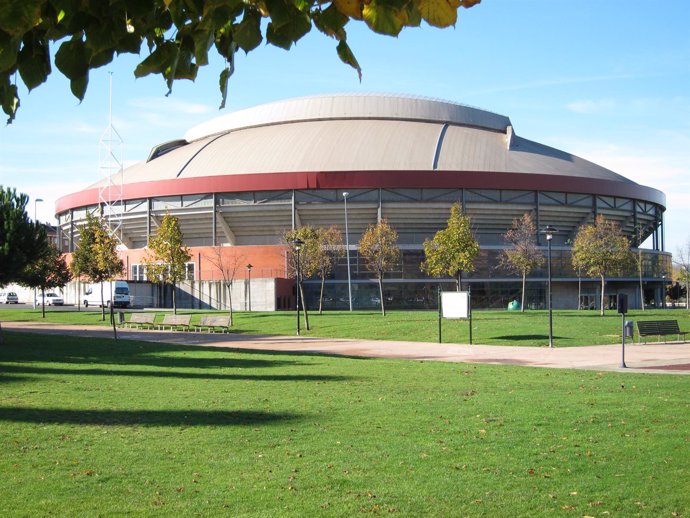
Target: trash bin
(513,305)
(628,328)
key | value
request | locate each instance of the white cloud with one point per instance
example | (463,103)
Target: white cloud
(170,106)
(592,106)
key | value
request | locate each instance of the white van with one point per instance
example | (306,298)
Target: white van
(118,289)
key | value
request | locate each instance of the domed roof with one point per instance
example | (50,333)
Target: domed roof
(369,140)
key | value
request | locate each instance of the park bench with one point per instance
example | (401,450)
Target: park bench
(659,328)
(141,320)
(175,321)
(211,323)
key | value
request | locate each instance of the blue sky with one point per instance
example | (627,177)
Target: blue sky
(608,81)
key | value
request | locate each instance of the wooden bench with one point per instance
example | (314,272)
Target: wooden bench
(176,321)
(141,320)
(213,322)
(659,328)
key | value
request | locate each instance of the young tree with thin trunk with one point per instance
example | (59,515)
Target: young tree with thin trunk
(602,250)
(228,268)
(452,250)
(48,271)
(330,249)
(524,256)
(96,255)
(381,253)
(167,256)
(682,261)
(308,259)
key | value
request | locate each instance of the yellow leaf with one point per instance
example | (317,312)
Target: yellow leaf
(439,13)
(351,8)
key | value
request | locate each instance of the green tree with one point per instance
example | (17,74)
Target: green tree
(380,251)
(602,250)
(48,271)
(21,240)
(179,34)
(329,250)
(96,256)
(167,256)
(308,259)
(524,256)
(452,250)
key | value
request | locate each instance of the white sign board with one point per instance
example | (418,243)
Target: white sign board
(455,304)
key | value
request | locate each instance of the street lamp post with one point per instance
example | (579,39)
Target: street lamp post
(36,201)
(298,245)
(249,286)
(347,252)
(549,231)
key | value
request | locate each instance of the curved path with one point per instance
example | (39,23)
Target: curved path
(669,358)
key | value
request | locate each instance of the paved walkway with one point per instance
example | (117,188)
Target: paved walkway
(671,358)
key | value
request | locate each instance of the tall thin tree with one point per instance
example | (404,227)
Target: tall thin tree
(167,257)
(524,256)
(96,255)
(602,250)
(381,253)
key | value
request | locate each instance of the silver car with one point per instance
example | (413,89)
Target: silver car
(50,299)
(9,297)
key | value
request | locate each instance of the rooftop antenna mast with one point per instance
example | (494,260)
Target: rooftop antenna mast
(110,167)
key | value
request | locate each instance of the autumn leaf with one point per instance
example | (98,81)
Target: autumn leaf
(439,13)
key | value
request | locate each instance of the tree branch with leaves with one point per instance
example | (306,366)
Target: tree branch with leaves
(180,34)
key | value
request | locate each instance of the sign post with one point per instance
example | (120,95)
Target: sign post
(454,304)
(622,304)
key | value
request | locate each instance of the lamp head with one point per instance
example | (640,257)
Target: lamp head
(345,194)
(549,231)
(298,243)
(249,267)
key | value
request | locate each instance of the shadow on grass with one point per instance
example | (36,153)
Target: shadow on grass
(142,417)
(29,347)
(519,338)
(168,374)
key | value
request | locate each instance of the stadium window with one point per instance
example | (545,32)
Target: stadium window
(189,271)
(138,272)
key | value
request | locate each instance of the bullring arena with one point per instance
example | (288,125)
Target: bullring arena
(239,181)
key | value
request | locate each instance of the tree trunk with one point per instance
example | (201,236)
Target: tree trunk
(524,281)
(174,295)
(43,303)
(228,286)
(603,294)
(579,291)
(459,281)
(639,264)
(383,307)
(323,282)
(102,304)
(304,307)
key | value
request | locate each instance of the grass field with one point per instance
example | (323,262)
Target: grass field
(98,428)
(571,328)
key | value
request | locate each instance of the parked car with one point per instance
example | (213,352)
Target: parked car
(9,297)
(50,299)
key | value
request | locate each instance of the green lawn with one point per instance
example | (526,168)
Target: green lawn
(570,328)
(98,428)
